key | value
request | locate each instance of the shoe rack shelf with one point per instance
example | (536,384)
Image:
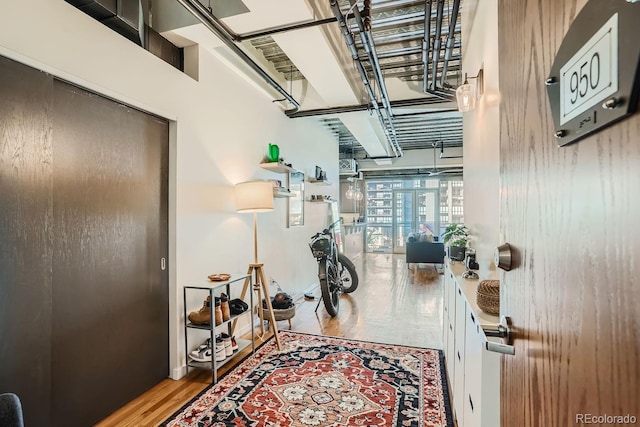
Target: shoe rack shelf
(213,290)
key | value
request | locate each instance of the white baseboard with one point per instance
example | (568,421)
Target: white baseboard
(178,373)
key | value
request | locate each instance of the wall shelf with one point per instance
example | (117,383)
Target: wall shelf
(281,192)
(319,181)
(277,167)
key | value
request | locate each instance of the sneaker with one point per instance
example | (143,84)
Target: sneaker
(203,355)
(226,339)
(220,352)
(234,345)
(202,347)
(202,316)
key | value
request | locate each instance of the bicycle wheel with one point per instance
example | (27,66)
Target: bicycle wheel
(348,274)
(328,286)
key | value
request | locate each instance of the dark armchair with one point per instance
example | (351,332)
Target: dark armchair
(10,410)
(425,252)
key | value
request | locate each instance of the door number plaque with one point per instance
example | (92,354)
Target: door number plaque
(594,78)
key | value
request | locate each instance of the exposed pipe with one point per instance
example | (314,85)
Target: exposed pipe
(335,7)
(442,156)
(362,107)
(436,44)
(426,45)
(434,90)
(453,19)
(216,27)
(364,25)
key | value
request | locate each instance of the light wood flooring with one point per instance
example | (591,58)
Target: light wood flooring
(392,305)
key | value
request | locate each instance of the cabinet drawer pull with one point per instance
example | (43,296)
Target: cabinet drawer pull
(459,291)
(459,358)
(471,403)
(473,319)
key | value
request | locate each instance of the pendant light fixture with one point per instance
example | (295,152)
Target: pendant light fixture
(350,193)
(467,94)
(358,195)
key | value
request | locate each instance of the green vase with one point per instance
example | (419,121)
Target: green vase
(274,153)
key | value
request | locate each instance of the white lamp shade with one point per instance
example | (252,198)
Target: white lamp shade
(254,196)
(466,97)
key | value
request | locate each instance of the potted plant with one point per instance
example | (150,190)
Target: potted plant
(456,236)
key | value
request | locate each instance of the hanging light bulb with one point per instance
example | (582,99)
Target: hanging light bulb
(350,193)
(358,195)
(465,97)
(467,94)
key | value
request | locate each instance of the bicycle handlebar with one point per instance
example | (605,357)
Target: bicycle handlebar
(328,229)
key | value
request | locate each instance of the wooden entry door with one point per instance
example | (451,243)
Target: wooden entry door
(572,216)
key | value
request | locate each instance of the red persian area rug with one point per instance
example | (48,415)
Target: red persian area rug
(326,381)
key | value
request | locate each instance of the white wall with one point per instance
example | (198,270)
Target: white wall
(221,131)
(481,130)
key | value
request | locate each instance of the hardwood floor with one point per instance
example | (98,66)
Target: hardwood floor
(391,305)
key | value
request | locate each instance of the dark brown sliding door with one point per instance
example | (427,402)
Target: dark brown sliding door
(110,296)
(83,229)
(25,237)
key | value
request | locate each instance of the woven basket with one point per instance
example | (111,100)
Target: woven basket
(488,296)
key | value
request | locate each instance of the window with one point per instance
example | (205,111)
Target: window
(379,206)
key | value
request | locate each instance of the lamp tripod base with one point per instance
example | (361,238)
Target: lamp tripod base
(260,285)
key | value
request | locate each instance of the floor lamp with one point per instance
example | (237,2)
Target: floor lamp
(255,197)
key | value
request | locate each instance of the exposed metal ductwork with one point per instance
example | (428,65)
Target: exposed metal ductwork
(437,41)
(431,73)
(227,37)
(124,17)
(397,48)
(426,45)
(451,38)
(351,44)
(367,41)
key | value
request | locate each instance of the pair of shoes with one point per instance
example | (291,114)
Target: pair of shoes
(202,353)
(197,353)
(202,316)
(224,348)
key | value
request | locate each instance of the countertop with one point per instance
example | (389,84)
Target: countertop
(469,288)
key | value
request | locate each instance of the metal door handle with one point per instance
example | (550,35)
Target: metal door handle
(502,330)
